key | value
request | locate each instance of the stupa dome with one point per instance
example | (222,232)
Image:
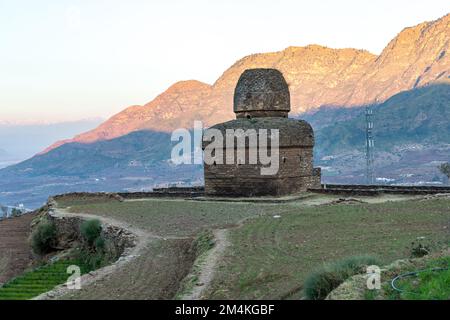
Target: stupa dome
(261,93)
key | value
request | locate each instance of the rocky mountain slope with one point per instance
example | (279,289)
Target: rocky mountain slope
(317,76)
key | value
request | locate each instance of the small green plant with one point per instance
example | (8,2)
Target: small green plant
(370,294)
(91,230)
(203,242)
(320,283)
(421,247)
(429,283)
(43,237)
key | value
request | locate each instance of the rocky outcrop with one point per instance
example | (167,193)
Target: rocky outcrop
(68,234)
(417,57)
(68,231)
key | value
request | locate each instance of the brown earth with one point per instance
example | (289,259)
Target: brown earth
(154,275)
(15,251)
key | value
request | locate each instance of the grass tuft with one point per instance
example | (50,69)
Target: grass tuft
(319,284)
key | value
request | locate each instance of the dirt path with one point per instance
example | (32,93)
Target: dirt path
(208,266)
(15,251)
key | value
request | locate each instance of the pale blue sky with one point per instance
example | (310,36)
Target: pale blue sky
(73,59)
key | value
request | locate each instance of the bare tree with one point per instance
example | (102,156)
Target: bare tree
(445,169)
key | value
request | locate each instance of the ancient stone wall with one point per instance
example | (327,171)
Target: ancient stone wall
(295,174)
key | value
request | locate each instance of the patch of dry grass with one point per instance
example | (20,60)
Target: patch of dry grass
(176,217)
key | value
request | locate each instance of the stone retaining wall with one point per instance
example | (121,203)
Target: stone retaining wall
(69,235)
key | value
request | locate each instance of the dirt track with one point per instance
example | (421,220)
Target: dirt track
(15,252)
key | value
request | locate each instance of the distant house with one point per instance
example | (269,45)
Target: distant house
(11,211)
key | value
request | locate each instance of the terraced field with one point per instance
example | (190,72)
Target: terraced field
(38,281)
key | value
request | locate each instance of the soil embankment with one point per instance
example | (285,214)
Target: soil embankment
(15,251)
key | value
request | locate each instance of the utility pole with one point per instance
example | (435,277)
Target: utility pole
(370,176)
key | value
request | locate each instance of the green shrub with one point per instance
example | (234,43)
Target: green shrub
(93,260)
(99,244)
(90,231)
(421,247)
(96,252)
(320,283)
(43,237)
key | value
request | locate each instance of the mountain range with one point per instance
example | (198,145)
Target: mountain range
(408,86)
(317,76)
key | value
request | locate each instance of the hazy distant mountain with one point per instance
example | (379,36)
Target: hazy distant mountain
(317,76)
(99,158)
(23,141)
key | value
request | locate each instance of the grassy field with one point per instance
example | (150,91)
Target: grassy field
(434,285)
(270,258)
(270,255)
(174,217)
